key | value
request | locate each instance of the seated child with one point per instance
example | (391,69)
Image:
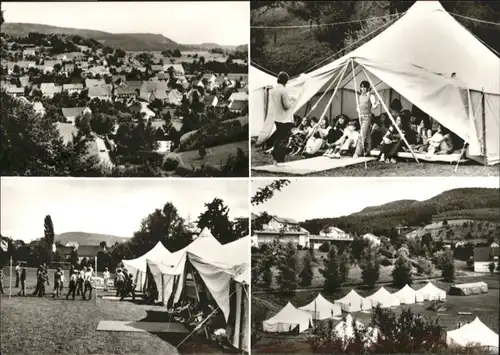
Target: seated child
(391,142)
(347,142)
(335,134)
(440,142)
(379,129)
(317,137)
(297,140)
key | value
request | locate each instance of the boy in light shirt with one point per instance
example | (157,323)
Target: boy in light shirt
(73,280)
(106,275)
(87,285)
(348,141)
(81,275)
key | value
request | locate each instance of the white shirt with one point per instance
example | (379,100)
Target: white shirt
(106,274)
(87,276)
(280,105)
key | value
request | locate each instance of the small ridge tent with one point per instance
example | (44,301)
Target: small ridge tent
(407,295)
(353,302)
(321,308)
(453,78)
(476,332)
(260,83)
(287,320)
(345,329)
(473,288)
(431,293)
(137,266)
(383,298)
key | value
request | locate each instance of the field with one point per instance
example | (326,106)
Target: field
(484,306)
(375,168)
(31,325)
(215,155)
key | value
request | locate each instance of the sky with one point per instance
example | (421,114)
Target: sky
(107,206)
(225,23)
(318,198)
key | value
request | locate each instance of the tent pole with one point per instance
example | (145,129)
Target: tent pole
(162,289)
(334,93)
(392,118)
(471,121)
(357,110)
(483,118)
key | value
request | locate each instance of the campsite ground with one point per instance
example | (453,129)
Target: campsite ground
(32,325)
(376,169)
(485,306)
(216,156)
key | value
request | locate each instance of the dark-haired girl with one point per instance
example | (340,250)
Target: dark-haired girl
(366,102)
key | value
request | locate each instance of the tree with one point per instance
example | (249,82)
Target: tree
(287,273)
(49,235)
(401,274)
(332,271)
(216,219)
(265,193)
(306,274)
(102,124)
(448,266)
(103,244)
(370,267)
(202,152)
(177,53)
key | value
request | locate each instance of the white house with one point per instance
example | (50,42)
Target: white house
(483,256)
(374,240)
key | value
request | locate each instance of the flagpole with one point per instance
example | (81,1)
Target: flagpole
(10,278)
(96,301)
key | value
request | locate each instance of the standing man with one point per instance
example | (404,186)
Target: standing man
(87,285)
(22,292)
(81,275)
(120,281)
(18,273)
(37,287)
(280,109)
(57,282)
(73,279)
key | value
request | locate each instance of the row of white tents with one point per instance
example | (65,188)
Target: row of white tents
(223,268)
(453,78)
(320,308)
(300,319)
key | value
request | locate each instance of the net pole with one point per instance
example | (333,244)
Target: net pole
(10,278)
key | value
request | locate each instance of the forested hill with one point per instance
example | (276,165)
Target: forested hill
(463,203)
(298,49)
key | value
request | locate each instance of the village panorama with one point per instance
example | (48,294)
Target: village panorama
(89,103)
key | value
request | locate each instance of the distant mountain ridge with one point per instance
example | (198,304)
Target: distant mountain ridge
(463,203)
(125,41)
(84,238)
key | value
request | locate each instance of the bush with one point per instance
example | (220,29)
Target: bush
(216,133)
(170,164)
(255,250)
(299,247)
(325,247)
(424,266)
(385,262)
(401,274)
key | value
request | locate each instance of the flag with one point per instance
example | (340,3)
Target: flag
(4,245)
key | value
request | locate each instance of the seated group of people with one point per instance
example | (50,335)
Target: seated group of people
(343,136)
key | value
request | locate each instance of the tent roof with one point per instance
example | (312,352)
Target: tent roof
(289,314)
(383,296)
(453,48)
(260,78)
(318,303)
(474,332)
(405,290)
(430,287)
(157,254)
(352,296)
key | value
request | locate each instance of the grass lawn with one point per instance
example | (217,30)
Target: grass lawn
(32,325)
(374,168)
(484,306)
(216,156)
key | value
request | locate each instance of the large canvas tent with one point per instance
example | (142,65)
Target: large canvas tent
(472,288)
(259,83)
(476,332)
(431,293)
(383,298)
(353,302)
(321,308)
(137,266)
(453,78)
(288,320)
(408,295)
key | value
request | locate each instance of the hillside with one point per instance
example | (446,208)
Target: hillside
(298,49)
(464,203)
(125,41)
(83,238)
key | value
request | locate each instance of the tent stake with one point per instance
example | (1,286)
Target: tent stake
(391,117)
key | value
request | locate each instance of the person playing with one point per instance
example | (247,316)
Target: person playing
(37,286)
(298,138)
(73,280)
(280,109)
(129,288)
(18,273)
(81,276)
(120,281)
(57,282)
(44,281)
(106,275)
(87,283)
(391,143)
(366,102)
(22,278)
